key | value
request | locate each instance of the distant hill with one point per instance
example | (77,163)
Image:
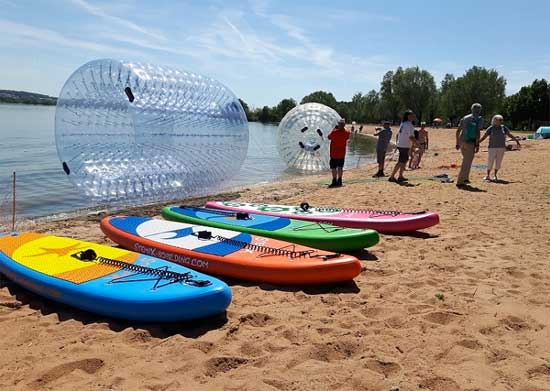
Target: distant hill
(29,98)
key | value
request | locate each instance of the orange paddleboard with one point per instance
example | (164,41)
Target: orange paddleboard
(230,253)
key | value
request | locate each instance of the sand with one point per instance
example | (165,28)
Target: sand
(461,306)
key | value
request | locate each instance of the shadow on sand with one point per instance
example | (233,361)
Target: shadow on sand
(189,329)
(503,182)
(414,234)
(471,189)
(321,289)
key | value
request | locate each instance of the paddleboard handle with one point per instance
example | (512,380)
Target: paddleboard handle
(242,216)
(66,168)
(129,94)
(204,235)
(304,206)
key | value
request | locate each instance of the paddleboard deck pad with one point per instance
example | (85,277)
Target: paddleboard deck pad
(379,220)
(110,281)
(312,234)
(230,253)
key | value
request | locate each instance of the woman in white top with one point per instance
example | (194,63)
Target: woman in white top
(405,140)
(497,133)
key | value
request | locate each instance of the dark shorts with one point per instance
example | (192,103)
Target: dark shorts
(403,155)
(336,163)
(380,156)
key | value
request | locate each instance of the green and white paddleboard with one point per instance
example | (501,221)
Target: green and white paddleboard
(312,234)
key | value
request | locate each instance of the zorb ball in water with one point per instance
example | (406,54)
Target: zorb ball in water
(303,132)
(129,131)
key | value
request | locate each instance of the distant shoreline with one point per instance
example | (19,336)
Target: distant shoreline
(26,103)
(26,98)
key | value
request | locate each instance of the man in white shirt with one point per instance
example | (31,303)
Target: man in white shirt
(405,141)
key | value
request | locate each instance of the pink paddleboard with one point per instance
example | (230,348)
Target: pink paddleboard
(379,220)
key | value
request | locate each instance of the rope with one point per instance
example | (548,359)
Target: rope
(371,211)
(187,278)
(266,250)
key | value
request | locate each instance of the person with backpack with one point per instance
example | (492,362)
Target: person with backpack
(467,141)
(497,133)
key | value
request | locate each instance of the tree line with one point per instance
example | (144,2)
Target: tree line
(415,89)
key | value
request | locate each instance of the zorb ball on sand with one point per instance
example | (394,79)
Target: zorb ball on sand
(303,142)
(132,131)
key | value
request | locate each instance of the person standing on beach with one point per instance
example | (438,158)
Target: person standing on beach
(338,140)
(423,141)
(497,133)
(467,141)
(384,137)
(405,141)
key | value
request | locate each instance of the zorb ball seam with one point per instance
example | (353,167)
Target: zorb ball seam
(127,131)
(302,137)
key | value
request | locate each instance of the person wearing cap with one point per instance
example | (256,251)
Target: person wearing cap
(405,141)
(338,141)
(467,141)
(384,137)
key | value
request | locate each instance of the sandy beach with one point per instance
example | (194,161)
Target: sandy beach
(462,306)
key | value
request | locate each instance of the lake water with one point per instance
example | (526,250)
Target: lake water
(27,146)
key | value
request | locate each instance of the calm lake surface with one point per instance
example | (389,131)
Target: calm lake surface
(27,146)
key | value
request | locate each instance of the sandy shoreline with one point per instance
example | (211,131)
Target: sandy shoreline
(462,306)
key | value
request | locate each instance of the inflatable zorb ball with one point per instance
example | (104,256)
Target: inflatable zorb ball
(128,131)
(303,132)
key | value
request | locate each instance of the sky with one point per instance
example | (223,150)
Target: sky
(265,50)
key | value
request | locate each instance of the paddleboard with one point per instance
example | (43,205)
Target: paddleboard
(110,281)
(313,234)
(379,220)
(230,253)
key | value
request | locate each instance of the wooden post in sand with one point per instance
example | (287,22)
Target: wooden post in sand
(13,206)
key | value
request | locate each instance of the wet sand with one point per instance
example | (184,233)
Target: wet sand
(462,306)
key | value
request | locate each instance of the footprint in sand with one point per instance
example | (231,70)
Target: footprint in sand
(88,365)
(217,365)
(386,368)
(203,346)
(442,318)
(497,355)
(541,370)
(333,351)
(251,349)
(471,344)
(256,319)
(439,384)
(514,323)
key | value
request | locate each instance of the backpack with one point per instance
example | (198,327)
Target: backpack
(470,135)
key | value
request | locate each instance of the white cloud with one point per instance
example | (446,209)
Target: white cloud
(103,14)
(37,35)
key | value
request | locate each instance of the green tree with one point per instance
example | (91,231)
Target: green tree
(530,106)
(478,84)
(246,109)
(282,108)
(265,115)
(447,99)
(325,98)
(415,89)
(389,102)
